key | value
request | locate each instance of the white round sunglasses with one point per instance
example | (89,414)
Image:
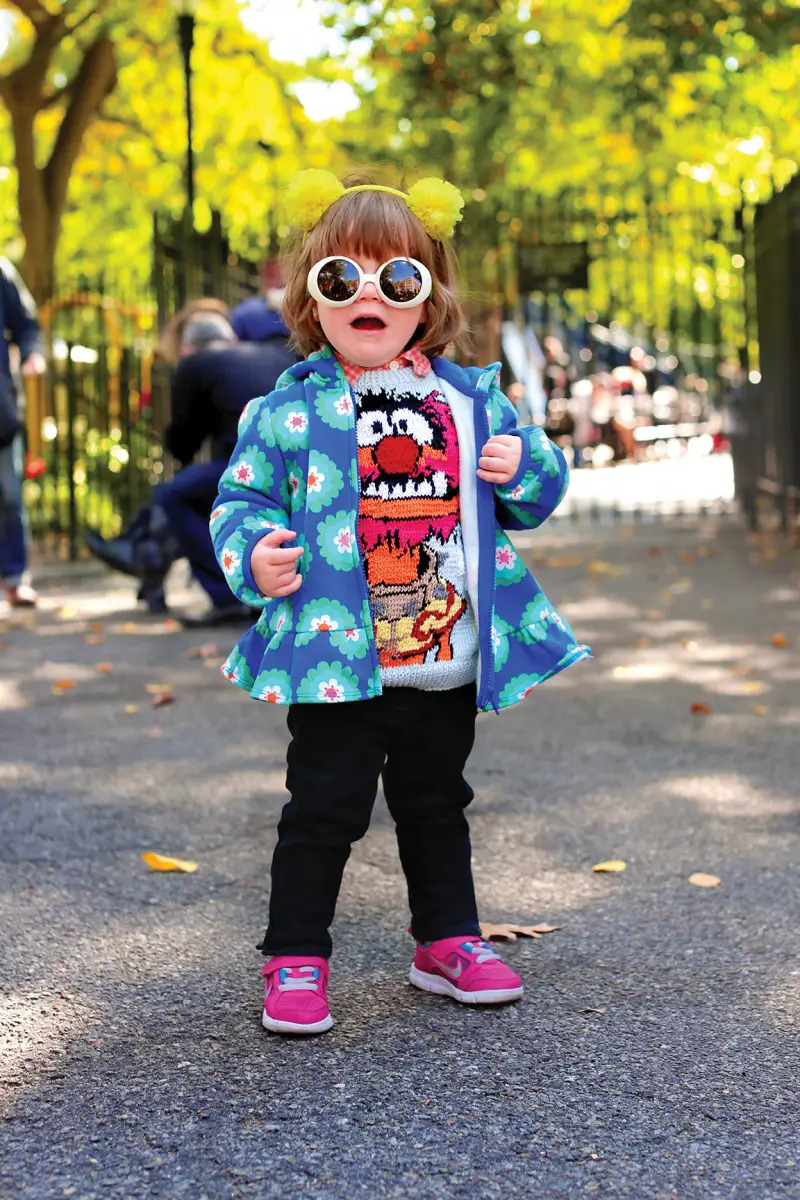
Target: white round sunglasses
(338,281)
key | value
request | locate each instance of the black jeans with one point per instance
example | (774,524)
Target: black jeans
(419,742)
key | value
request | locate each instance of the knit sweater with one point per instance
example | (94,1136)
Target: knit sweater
(409,530)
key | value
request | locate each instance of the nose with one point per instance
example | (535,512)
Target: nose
(370,292)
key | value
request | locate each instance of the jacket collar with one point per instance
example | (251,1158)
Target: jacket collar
(471,381)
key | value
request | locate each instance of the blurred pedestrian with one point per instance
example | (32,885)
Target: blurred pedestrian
(214,379)
(18,319)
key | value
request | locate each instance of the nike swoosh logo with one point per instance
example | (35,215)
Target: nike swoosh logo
(449,970)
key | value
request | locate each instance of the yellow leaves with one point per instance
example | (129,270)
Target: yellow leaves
(564,560)
(752,687)
(62,685)
(161,862)
(131,708)
(779,641)
(598,567)
(611,866)
(104,668)
(94,639)
(510,933)
(761,710)
(701,880)
(207,650)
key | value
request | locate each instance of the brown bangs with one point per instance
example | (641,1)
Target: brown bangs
(377,225)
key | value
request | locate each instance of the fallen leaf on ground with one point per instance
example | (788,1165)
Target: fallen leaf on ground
(172,626)
(564,560)
(689,643)
(161,862)
(752,687)
(641,642)
(162,698)
(511,932)
(96,626)
(780,641)
(761,710)
(705,551)
(611,865)
(699,879)
(599,567)
(700,710)
(104,668)
(688,558)
(738,669)
(156,688)
(94,639)
(654,551)
(129,627)
(131,708)
(595,1010)
(204,651)
(156,731)
(654,614)
(62,685)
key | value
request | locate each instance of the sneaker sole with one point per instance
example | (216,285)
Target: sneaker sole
(291,1027)
(443,987)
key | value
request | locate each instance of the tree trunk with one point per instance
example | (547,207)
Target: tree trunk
(42,191)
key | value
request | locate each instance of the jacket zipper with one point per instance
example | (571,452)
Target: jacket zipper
(486,695)
(370,632)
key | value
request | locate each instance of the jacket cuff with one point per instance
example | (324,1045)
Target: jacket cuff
(247,572)
(524,462)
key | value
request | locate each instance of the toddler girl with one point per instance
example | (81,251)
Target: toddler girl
(363,511)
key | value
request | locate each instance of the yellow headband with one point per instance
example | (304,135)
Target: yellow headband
(436,204)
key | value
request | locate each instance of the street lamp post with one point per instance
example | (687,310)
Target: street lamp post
(185,11)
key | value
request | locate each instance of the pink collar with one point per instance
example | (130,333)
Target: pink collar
(413,357)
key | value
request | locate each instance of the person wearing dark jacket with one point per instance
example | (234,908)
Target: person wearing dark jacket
(19,325)
(215,377)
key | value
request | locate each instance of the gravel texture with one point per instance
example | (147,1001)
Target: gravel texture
(133,1061)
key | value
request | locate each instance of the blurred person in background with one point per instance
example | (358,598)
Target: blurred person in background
(215,377)
(20,327)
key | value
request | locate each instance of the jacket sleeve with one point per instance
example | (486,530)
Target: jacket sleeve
(19,311)
(190,423)
(253,498)
(540,482)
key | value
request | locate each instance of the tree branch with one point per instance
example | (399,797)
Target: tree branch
(95,79)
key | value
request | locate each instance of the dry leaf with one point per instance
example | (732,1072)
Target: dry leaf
(62,685)
(598,567)
(204,651)
(96,626)
(689,643)
(761,710)
(155,689)
(162,698)
(104,668)
(654,614)
(780,641)
(688,558)
(594,1010)
(565,560)
(705,881)
(94,639)
(510,932)
(611,865)
(131,708)
(752,687)
(641,642)
(129,627)
(737,669)
(700,710)
(160,862)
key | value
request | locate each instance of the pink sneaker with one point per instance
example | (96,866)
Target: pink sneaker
(295,994)
(465,968)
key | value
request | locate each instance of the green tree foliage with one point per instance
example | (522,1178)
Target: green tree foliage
(94,127)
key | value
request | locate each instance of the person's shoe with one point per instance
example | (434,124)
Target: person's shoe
(295,994)
(466,968)
(117,553)
(230,614)
(22,595)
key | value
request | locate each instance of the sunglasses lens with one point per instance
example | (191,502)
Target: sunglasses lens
(338,280)
(401,281)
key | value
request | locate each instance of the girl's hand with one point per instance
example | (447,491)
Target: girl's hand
(500,458)
(275,568)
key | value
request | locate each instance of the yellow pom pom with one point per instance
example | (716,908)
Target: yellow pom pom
(438,206)
(308,196)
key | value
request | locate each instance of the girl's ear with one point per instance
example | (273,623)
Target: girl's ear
(315,313)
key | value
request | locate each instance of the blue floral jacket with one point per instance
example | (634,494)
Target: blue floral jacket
(318,645)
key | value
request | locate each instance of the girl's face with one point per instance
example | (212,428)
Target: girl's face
(369,332)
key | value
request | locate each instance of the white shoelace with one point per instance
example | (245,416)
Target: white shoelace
(300,982)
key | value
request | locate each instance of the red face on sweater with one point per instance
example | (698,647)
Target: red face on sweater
(408,465)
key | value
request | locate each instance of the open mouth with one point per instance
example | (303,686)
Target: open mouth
(368,324)
(437,487)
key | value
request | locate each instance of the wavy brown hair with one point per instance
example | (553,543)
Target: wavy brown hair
(372,225)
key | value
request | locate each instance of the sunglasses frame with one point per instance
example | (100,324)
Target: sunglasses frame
(365,278)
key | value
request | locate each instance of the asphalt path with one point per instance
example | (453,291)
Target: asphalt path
(655,1053)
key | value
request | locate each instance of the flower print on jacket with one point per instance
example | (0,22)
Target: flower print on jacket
(322,637)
